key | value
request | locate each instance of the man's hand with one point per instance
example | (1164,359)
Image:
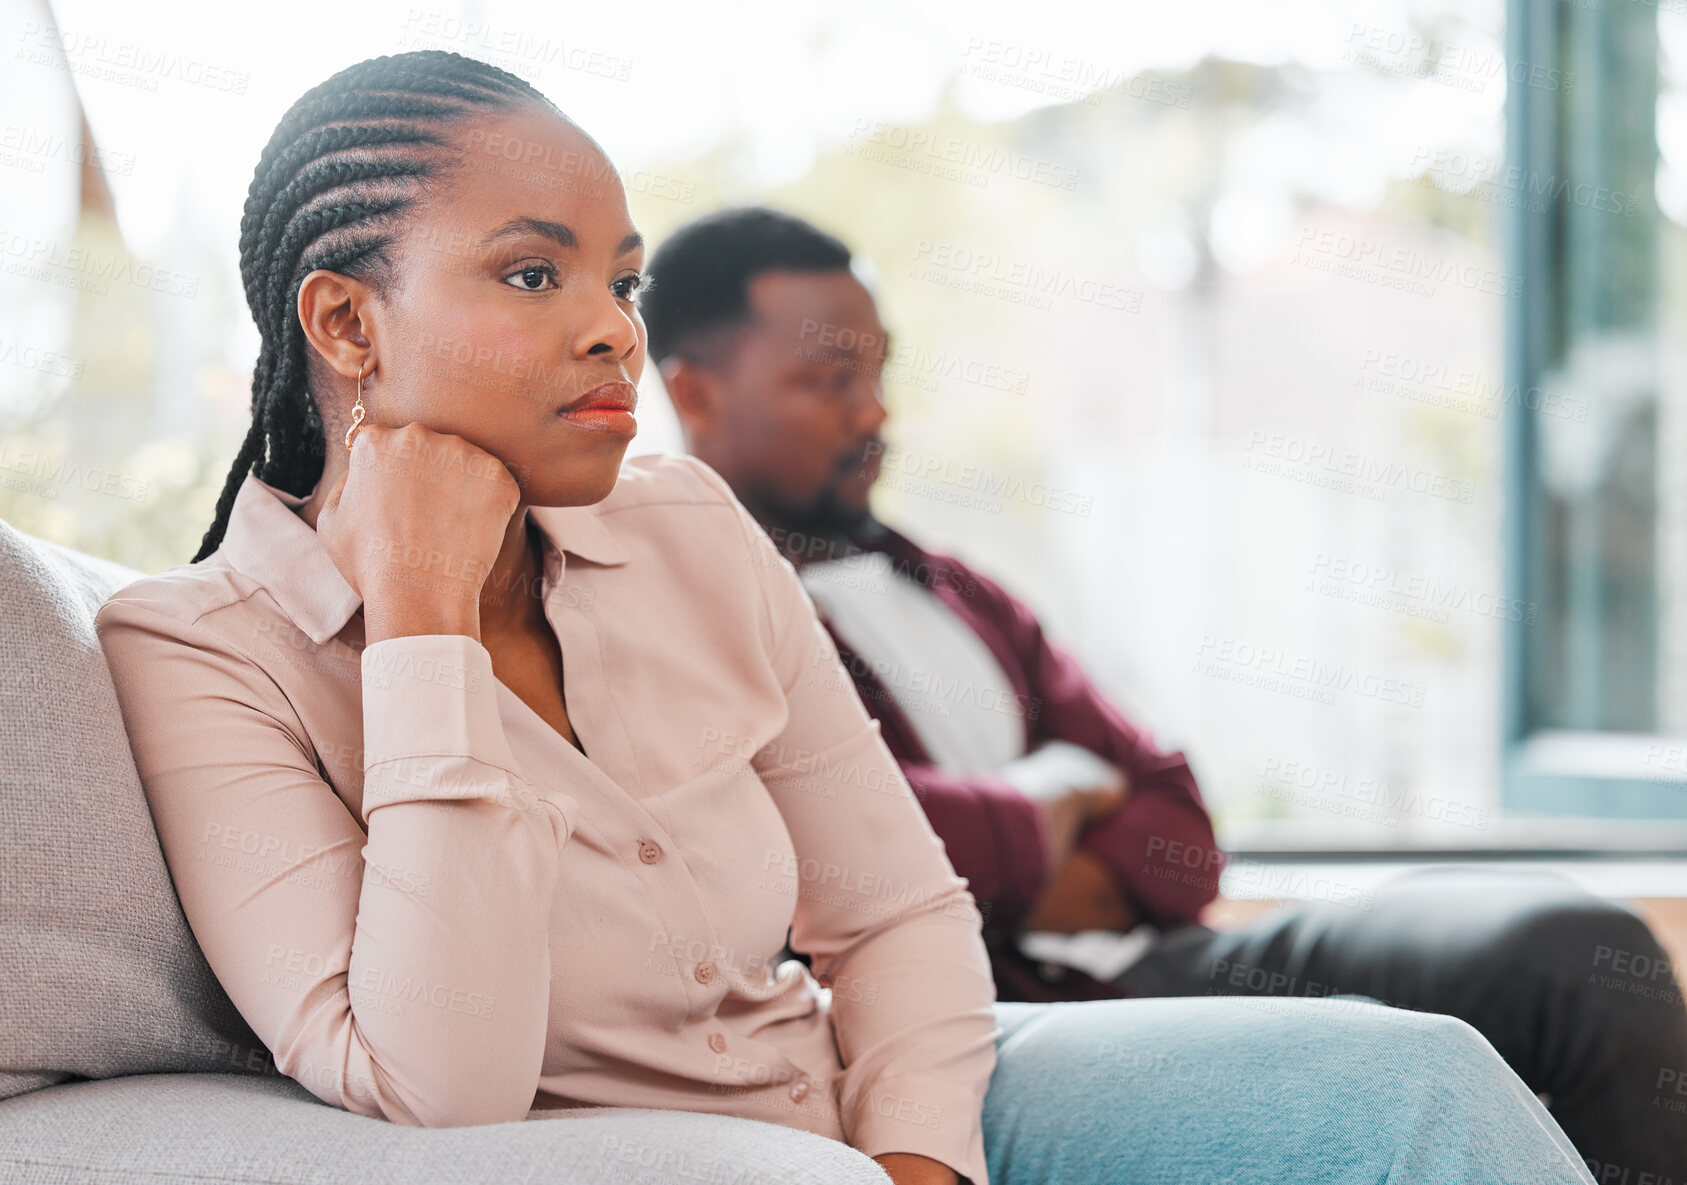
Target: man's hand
(1067,814)
(1072,786)
(1082,895)
(906,1168)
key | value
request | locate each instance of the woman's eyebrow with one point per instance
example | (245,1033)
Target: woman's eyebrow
(559,234)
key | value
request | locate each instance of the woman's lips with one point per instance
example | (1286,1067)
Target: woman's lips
(602,418)
(608,408)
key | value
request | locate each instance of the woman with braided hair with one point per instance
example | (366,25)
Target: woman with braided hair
(493,766)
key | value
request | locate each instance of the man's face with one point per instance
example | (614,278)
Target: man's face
(802,398)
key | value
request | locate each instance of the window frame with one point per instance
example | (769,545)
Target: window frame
(1550,771)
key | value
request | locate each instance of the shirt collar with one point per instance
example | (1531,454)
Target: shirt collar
(268,541)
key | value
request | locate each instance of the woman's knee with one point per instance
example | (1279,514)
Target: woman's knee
(1344,1078)
(1427,1058)
(1221,1042)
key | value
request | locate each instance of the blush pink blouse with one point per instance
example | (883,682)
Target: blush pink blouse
(435,910)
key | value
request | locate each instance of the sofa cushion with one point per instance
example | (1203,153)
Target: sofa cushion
(99,973)
(219,1127)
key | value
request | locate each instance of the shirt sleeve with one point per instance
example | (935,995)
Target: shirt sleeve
(995,837)
(1158,844)
(401,969)
(878,901)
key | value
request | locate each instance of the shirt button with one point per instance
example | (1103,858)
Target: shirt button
(717,1042)
(649,851)
(704,972)
(799,1091)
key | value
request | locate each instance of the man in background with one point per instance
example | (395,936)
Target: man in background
(1064,816)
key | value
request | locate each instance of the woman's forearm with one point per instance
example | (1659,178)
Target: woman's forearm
(399,969)
(442,800)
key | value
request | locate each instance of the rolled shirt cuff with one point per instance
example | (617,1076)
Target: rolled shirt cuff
(431,725)
(923,1115)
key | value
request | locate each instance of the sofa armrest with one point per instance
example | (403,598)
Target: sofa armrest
(147,1128)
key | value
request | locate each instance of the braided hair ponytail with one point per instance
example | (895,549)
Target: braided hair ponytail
(344,163)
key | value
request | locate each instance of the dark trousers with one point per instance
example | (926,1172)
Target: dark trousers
(1573,991)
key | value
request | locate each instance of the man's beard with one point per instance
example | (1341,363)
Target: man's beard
(825,527)
(830,515)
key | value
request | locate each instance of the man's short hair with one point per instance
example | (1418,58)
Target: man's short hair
(701,292)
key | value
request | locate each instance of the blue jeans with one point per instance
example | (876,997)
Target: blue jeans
(1239,1091)
(1572,990)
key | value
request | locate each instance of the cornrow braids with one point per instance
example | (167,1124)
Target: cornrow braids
(344,164)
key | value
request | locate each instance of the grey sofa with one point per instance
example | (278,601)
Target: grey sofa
(121,1059)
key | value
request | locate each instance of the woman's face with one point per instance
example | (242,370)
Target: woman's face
(512,296)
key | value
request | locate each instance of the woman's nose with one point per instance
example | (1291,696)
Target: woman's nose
(610,331)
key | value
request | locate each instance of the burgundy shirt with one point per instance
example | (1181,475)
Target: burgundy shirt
(1158,843)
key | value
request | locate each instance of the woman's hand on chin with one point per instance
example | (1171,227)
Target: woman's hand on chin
(415,525)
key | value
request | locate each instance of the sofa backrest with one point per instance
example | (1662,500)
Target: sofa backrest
(99,973)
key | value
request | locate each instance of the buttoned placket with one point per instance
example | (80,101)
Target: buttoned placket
(609,760)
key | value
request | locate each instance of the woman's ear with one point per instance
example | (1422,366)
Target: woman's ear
(336,313)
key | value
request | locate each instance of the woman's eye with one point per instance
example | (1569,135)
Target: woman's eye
(532,279)
(628,287)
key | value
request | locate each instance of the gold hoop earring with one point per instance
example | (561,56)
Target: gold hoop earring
(356,410)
